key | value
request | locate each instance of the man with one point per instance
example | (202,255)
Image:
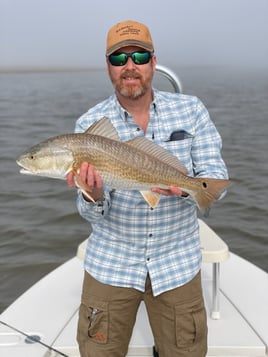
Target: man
(134,252)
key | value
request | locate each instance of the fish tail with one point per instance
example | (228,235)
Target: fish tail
(209,190)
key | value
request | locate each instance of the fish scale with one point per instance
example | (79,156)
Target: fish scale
(112,162)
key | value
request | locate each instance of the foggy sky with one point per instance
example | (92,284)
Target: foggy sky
(72,33)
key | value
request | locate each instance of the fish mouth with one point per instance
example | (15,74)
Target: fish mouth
(25,172)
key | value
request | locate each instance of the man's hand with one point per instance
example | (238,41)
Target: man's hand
(88,179)
(172,191)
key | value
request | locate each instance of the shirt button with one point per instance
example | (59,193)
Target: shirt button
(148,259)
(150,235)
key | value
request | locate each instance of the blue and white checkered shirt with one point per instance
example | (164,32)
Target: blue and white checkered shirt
(129,239)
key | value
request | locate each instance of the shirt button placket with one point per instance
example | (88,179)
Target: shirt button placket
(150,236)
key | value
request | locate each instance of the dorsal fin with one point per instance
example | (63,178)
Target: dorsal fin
(104,128)
(157,152)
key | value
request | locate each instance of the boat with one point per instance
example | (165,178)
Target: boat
(42,322)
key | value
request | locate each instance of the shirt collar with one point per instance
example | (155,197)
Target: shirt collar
(124,114)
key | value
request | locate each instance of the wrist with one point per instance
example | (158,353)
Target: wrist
(97,194)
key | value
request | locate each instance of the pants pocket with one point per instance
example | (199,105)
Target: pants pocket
(94,313)
(191,324)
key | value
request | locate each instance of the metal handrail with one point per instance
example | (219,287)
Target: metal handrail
(171,76)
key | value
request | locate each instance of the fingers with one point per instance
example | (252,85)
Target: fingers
(85,174)
(175,191)
(172,190)
(90,176)
(70,180)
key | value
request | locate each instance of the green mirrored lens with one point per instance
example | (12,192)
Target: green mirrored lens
(140,57)
(120,59)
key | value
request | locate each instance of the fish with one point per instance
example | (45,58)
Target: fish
(136,164)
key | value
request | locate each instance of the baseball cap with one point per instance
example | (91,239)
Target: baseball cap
(128,33)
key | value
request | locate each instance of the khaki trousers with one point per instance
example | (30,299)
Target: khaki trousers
(107,316)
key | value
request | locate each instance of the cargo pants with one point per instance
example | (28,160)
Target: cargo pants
(107,316)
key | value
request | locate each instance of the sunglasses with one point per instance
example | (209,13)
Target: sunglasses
(120,59)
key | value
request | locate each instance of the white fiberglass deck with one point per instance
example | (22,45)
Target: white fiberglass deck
(49,310)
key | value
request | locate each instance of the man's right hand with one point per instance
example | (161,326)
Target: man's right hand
(87,177)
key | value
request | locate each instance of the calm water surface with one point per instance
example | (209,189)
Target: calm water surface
(39,224)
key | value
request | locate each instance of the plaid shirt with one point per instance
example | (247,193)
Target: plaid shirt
(128,238)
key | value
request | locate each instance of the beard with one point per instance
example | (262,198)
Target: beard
(130,90)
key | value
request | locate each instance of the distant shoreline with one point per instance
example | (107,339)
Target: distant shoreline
(176,67)
(49,69)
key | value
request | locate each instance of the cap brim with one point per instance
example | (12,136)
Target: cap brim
(122,44)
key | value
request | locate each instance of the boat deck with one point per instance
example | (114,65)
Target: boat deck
(231,335)
(237,312)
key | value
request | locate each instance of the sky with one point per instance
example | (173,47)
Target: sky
(72,33)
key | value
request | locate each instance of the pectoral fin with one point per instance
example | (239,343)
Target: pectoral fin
(152,198)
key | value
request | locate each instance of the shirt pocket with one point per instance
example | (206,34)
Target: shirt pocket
(181,149)
(191,323)
(98,322)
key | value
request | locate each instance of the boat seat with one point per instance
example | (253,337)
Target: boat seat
(214,250)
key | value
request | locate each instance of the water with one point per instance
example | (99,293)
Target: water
(39,224)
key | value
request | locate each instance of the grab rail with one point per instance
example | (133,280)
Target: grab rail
(171,76)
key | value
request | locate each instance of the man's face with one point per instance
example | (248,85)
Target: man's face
(132,80)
